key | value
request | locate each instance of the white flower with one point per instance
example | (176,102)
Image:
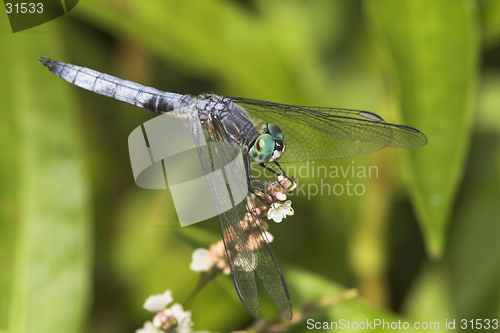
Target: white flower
(218,256)
(148,328)
(280,196)
(183,317)
(201,260)
(158,302)
(174,320)
(278,211)
(269,237)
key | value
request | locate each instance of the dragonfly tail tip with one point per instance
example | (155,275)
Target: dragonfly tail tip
(45,61)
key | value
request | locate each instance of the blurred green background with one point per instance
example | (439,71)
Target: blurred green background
(81,246)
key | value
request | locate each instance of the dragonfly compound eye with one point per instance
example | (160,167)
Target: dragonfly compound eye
(263,148)
(275,131)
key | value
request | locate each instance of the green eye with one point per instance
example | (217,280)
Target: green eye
(263,148)
(275,131)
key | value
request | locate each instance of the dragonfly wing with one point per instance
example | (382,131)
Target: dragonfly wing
(315,133)
(247,248)
(248,251)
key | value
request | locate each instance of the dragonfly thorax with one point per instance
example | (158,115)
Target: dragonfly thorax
(213,106)
(224,116)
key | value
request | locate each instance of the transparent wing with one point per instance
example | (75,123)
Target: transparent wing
(248,251)
(316,133)
(247,247)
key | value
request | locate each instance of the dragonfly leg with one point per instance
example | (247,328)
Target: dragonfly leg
(265,182)
(284,175)
(262,165)
(257,195)
(281,169)
(255,185)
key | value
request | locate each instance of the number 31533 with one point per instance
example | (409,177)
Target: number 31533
(479,324)
(24,8)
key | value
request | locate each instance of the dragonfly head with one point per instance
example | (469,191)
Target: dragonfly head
(269,146)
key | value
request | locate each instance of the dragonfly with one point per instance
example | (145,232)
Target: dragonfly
(267,134)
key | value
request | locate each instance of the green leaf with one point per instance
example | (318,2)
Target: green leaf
(50,275)
(491,22)
(432,49)
(9,180)
(488,118)
(474,251)
(429,299)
